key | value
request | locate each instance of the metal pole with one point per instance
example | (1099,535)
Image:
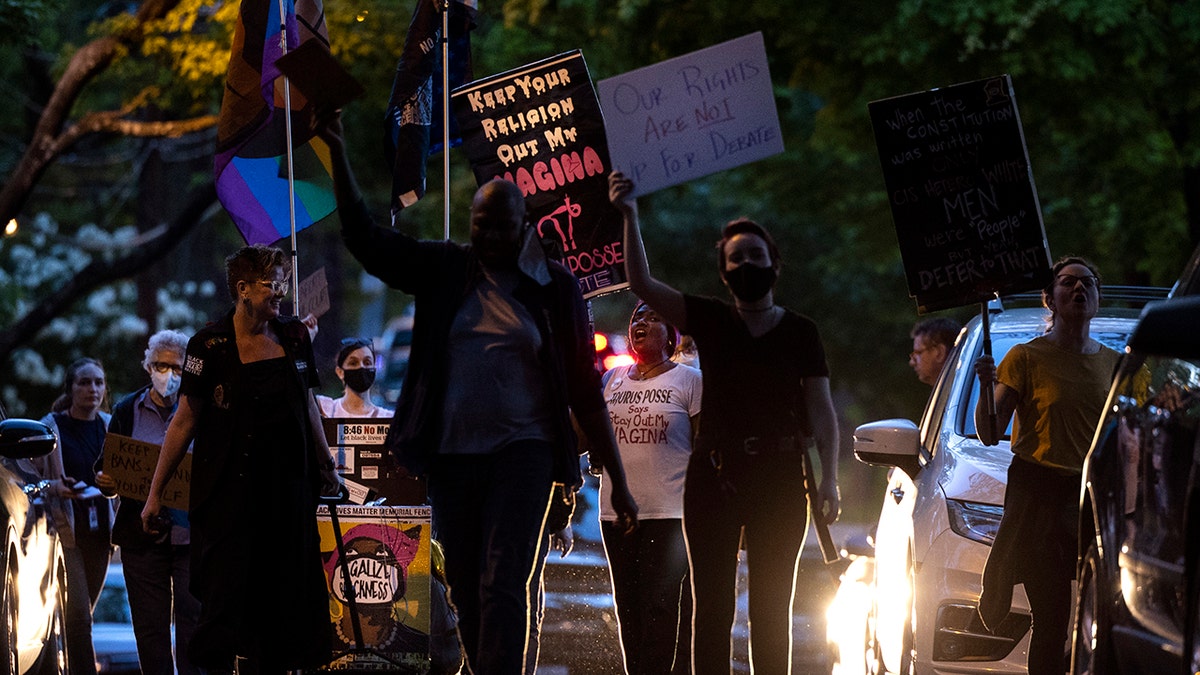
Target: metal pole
(291,177)
(446,119)
(988,394)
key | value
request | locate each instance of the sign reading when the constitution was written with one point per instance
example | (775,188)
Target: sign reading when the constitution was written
(962,194)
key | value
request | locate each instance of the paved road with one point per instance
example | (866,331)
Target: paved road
(580,626)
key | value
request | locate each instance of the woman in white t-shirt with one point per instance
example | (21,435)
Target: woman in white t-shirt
(654,405)
(355,367)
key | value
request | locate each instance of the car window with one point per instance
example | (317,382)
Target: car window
(935,407)
(1003,342)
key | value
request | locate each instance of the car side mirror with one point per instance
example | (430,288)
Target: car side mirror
(1168,328)
(22,439)
(894,442)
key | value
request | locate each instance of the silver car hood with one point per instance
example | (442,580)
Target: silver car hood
(973,472)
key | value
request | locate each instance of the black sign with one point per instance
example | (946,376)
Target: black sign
(368,469)
(540,127)
(962,193)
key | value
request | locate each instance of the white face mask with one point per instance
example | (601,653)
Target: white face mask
(166,384)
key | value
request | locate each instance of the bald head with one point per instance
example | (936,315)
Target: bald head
(497,214)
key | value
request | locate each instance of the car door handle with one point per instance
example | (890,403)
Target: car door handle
(898,494)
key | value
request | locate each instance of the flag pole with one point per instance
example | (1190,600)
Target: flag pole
(291,177)
(446,119)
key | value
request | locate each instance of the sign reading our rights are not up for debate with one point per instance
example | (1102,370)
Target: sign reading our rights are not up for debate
(692,115)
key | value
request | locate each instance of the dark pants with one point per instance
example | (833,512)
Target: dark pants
(156,577)
(1050,604)
(488,512)
(537,604)
(649,570)
(1036,546)
(86,566)
(769,504)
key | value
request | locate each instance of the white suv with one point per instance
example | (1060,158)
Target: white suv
(942,507)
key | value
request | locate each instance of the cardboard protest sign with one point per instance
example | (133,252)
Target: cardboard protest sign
(131,463)
(368,469)
(540,127)
(692,115)
(962,194)
(313,294)
(388,567)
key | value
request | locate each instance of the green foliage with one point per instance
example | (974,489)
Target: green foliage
(19,20)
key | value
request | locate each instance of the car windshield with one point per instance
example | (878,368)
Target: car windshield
(1003,342)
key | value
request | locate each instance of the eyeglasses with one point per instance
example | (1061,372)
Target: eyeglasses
(917,352)
(277,287)
(162,368)
(1069,280)
(357,342)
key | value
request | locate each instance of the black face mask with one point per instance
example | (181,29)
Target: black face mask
(750,283)
(359,379)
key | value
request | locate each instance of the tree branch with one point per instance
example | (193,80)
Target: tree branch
(48,141)
(100,271)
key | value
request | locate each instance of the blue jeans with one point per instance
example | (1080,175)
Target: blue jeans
(154,577)
(488,512)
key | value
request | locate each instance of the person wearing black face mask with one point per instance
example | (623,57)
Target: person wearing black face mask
(355,367)
(765,396)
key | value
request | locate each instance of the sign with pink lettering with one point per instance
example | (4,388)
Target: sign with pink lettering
(692,115)
(540,127)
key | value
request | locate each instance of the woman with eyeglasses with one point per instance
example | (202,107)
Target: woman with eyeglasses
(1056,386)
(259,462)
(156,565)
(80,513)
(355,367)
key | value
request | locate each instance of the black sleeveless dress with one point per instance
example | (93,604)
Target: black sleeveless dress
(256,550)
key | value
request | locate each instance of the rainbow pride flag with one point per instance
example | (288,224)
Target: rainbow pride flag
(251,157)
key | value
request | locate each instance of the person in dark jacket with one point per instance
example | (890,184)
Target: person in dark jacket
(259,463)
(501,354)
(156,565)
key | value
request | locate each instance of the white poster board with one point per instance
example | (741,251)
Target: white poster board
(692,115)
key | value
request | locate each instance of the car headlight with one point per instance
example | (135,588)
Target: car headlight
(975,521)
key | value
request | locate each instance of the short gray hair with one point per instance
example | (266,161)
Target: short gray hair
(165,341)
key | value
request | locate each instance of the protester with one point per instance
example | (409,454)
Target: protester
(655,406)
(933,340)
(1056,385)
(355,367)
(501,338)
(685,352)
(766,393)
(260,459)
(81,515)
(156,565)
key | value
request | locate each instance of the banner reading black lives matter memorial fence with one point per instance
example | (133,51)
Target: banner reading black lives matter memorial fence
(540,127)
(962,194)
